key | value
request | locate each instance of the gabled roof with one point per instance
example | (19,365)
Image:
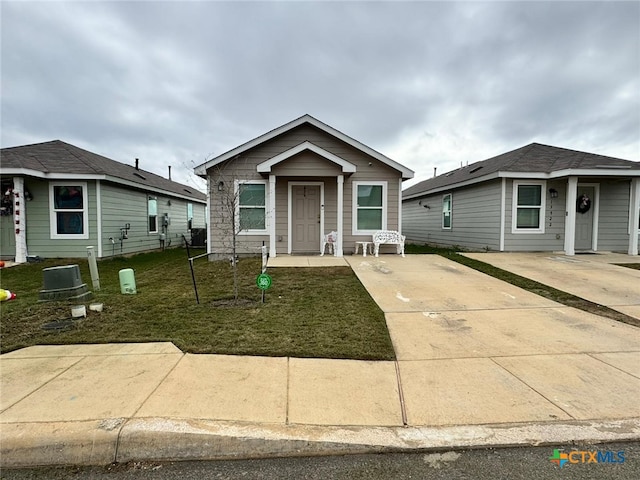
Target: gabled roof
(531,161)
(201,170)
(60,160)
(265,167)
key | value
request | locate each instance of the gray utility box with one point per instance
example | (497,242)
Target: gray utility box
(64,283)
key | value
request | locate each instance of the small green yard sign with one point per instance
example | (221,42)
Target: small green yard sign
(263,281)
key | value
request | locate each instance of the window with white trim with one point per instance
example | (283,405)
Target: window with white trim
(152,209)
(446,211)
(369,207)
(69,210)
(252,206)
(528,207)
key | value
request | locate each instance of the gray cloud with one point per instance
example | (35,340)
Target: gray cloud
(429,84)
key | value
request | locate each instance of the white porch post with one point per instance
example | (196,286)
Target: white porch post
(570,217)
(634,213)
(400,205)
(20,219)
(503,210)
(340,203)
(272,215)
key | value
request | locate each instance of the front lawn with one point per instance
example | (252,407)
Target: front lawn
(309,312)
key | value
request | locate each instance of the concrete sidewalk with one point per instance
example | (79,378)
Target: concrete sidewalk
(593,277)
(480,363)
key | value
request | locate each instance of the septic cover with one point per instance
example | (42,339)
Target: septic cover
(59,325)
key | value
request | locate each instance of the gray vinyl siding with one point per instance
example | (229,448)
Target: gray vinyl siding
(475,218)
(613,224)
(306,166)
(39,241)
(554,220)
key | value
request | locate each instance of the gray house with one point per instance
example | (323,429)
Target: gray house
(535,198)
(295,184)
(57,199)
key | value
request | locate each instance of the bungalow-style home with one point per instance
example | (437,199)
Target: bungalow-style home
(290,187)
(58,199)
(535,198)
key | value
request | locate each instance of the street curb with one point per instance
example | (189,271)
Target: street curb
(162,439)
(59,443)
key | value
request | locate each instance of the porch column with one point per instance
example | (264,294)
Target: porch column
(634,213)
(400,205)
(340,202)
(570,217)
(20,219)
(272,216)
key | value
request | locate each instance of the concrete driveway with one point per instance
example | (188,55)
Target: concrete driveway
(593,277)
(472,349)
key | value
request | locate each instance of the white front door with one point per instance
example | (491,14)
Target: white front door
(585,206)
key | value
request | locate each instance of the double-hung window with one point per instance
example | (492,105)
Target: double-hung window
(528,207)
(369,207)
(152,208)
(252,207)
(446,211)
(69,210)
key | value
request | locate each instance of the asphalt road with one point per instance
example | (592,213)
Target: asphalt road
(509,463)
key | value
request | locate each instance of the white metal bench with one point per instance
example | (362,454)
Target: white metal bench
(388,237)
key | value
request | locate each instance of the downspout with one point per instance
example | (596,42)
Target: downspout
(20,219)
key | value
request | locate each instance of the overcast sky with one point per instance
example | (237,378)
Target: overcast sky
(429,84)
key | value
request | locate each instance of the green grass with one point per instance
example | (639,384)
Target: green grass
(309,312)
(526,283)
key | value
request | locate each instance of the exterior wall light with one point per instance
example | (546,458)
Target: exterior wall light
(220,185)
(553,193)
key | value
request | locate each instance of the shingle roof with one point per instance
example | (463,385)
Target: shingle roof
(57,157)
(533,158)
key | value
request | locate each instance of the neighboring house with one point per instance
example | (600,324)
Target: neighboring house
(58,199)
(535,198)
(297,183)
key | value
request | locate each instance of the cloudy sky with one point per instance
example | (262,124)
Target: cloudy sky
(429,84)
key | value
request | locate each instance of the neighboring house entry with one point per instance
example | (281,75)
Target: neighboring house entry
(305,228)
(584,219)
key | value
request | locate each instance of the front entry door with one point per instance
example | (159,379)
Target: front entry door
(584,221)
(305,229)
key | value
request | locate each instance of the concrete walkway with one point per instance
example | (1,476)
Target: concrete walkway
(593,277)
(480,363)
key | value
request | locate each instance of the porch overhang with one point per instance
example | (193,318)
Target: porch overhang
(266,166)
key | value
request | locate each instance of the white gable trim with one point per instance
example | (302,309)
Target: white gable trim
(265,167)
(201,170)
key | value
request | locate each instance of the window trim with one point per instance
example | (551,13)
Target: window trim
(151,197)
(450,195)
(53,218)
(236,192)
(354,206)
(542,207)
